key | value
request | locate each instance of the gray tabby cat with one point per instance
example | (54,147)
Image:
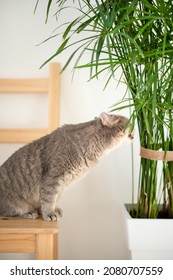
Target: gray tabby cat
(32,179)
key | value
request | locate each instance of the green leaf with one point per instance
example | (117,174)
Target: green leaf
(60,49)
(48,9)
(63,45)
(143,28)
(85,24)
(36,6)
(99,48)
(69,27)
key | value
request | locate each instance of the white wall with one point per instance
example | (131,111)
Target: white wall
(92,225)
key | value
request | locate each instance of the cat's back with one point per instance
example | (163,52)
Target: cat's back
(29,152)
(25,166)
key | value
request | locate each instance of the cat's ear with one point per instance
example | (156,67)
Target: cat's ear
(106,119)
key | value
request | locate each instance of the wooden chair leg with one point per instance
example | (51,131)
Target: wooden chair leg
(55,247)
(46,247)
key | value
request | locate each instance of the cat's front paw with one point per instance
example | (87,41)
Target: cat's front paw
(30,215)
(54,216)
(59,212)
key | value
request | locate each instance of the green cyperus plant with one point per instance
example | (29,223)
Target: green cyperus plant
(136,36)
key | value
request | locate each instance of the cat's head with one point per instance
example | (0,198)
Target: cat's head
(117,127)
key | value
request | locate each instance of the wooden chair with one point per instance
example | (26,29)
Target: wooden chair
(51,86)
(18,235)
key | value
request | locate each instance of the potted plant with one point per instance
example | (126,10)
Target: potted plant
(136,36)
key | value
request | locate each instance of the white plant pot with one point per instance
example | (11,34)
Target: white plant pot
(149,239)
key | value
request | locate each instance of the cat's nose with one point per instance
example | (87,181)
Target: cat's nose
(131,136)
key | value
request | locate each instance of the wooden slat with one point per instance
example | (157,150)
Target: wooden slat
(17,225)
(21,135)
(17,243)
(24,85)
(54,96)
(51,86)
